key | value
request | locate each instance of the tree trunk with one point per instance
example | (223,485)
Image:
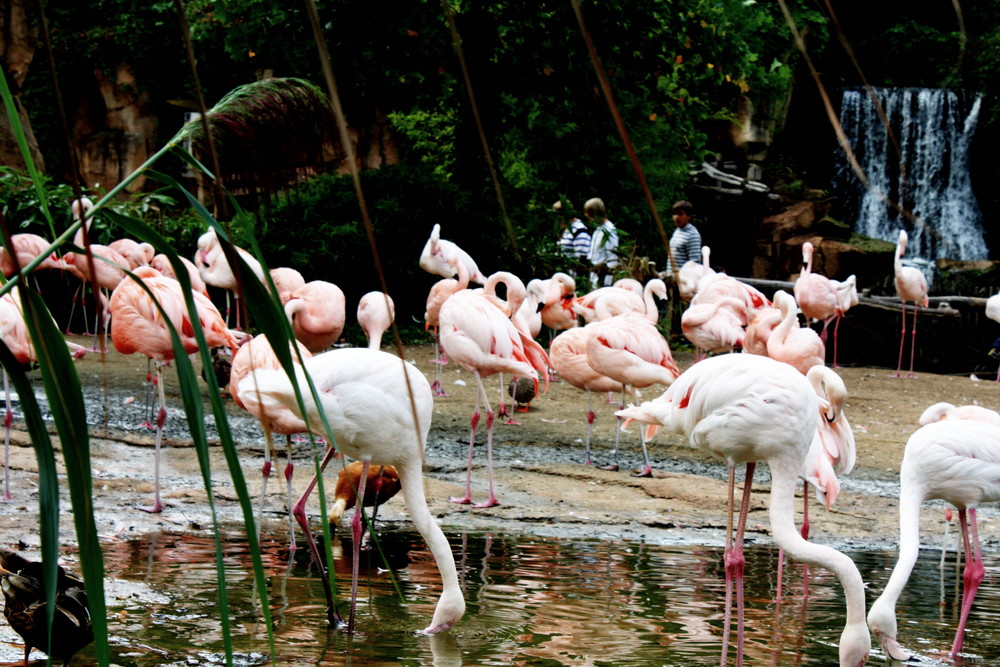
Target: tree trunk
(18,36)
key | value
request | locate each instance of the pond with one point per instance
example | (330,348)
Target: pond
(531,601)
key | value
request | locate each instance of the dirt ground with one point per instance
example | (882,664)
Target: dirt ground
(541,482)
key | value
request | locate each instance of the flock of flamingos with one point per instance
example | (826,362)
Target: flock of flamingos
(776,401)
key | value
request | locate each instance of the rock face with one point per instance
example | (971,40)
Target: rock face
(838,254)
(17,49)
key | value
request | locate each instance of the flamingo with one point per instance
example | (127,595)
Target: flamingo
(439,293)
(376,313)
(942,411)
(715,286)
(585,305)
(286,280)
(911,285)
(253,356)
(381,485)
(992,312)
(215,270)
(135,253)
(379,408)
(958,461)
(691,274)
(823,299)
(108,271)
(744,408)
(791,343)
(631,350)
(715,327)
(557,311)
(138,326)
(317,311)
(568,353)
(483,340)
(14,334)
(759,330)
(162,264)
(439,257)
(25,248)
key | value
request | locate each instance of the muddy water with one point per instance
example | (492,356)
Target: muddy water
(531,601)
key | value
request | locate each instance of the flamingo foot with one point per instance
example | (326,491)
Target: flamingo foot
(489,502)
(440,362)
(155,508)
(613,467)
(511,421)
(147,424)
(464,500)
(645,472)
(6,498)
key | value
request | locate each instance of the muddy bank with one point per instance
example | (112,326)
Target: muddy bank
(541,483)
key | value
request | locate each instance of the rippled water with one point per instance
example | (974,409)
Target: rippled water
(531,601)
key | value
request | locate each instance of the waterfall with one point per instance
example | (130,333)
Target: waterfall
(934,129)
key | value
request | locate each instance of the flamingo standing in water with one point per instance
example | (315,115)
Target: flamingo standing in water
(138,326)
(630,349)
(911,285)
(480,337)
(379,408)
(745,408)
(568,353)
(254,356)
(958,461)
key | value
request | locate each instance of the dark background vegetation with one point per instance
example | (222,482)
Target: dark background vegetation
(678,72)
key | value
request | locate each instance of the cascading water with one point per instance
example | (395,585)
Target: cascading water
(928,174)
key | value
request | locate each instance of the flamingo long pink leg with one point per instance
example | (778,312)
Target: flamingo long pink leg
(913,341)
(357,526)
(7,421)
(973,575)
(618,433)
(735,561)
(299,512)
(590,423)
(161,418)
(473,424)
(289,472)
(902,340)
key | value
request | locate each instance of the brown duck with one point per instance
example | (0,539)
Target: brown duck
(23,585)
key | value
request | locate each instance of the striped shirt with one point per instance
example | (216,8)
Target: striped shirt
(575,241)
(685,245)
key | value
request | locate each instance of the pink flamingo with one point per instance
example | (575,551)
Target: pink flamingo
(619,299)
(822,299)
(958,461)
(14,333)
(584,305)
(108,267)
(286,280)
(759,329)
(942,411)
(911,285)
(715,286)
(215,270)
(690,275)
(631,350)
(379,408)
(317,311)
(439,257)
(568,353)
(744,408)
(439,293)
(252,357)
(26,248)
(135,253)
(714,327)
(480,338)
(138,326)
(557,309)
(792,343)
(376,313)
(162,264)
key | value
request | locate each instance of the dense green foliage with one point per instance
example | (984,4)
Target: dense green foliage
(678,71)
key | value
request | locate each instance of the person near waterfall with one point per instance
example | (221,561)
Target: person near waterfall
(685,242)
